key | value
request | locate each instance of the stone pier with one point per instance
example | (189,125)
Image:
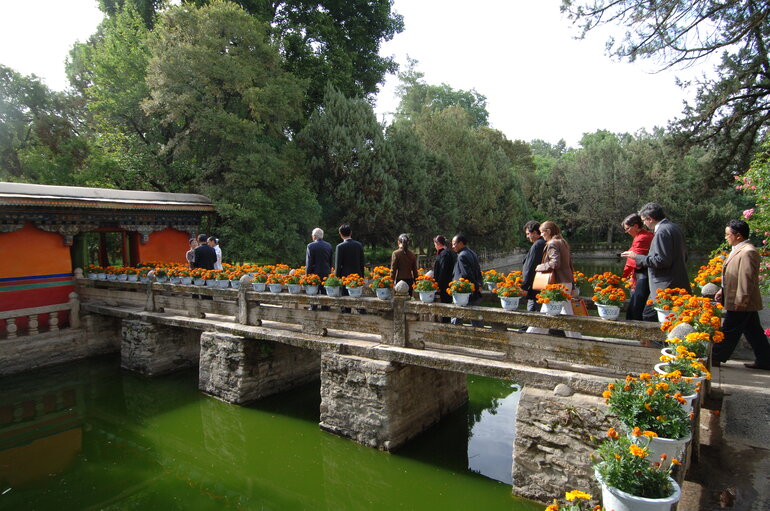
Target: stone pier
(239,370)
(152,350)
(384,404)
(551,453)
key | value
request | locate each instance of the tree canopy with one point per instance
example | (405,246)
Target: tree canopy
(732,110)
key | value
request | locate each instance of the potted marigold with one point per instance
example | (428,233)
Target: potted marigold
(275,282)
(260,281)
(492,278)
(354,284)
(427,287)
(235,275)
(185,277)
(333,285)
(554,296)
(461,291)
(709,277)
(697,343)
(311,283)
(576,500)
(293,282)
(509,291)
(161,274)
(608,301)
(665,300)
(382,285)
(630,477)
(649,407)
(199,276)
(685,365)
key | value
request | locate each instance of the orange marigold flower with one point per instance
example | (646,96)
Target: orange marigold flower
(637,451)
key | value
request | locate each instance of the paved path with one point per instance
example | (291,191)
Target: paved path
(734,470)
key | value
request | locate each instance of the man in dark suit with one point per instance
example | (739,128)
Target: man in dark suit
(318,259)
(467,267)
(443,269)
(205,256)
(666,261)
(348,258)
(534,257)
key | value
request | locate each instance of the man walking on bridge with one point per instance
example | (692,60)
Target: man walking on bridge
(534,257)
(467,267)
(349,258)
(318,260)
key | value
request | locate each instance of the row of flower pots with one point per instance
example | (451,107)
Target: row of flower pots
(656,413)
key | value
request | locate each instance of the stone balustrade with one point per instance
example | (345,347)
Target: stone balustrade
(34,314)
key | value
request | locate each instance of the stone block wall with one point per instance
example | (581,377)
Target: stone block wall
(384,404)
(151,350)
(239,370)
(552,448)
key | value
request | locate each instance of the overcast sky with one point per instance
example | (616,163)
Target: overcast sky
(539,81)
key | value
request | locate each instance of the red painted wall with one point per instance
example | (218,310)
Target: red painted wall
(167,246)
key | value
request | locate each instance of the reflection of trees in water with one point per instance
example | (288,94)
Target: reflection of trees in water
(486,394)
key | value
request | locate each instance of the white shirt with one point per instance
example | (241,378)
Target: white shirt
(218,264)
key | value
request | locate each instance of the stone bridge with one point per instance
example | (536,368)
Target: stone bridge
(390,369)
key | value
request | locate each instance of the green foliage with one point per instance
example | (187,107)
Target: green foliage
(218,91)
(731,110)
(351,165)
(755,184)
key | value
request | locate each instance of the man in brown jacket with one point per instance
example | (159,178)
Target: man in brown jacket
(740,296)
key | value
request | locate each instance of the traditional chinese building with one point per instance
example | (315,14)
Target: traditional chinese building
(48,231)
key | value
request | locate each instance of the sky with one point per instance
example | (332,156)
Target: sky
(539,81)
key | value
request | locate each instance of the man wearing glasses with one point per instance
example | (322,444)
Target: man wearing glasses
(666,261)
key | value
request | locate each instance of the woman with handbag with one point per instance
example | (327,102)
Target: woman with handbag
(634,227)
(557,262)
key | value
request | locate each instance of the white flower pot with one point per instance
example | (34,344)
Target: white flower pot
(122,277)
(186,281)
(311,290)
(427,296)
(662,368)
(690,401)
(223,284)
(112,277)
(673,448)
(608,312)
(161,280)
(510,303)
(461,299)
(383,293)
(259,287)
(235,284)
(175,280)
(211,283)
(133,278)
(294,289)
(101,276)
(275,288)
(144,279)
(612,498)
(554,308)
(662,314)
(333,291)
(199,282)
(355,292)
(490,285)
(93,276)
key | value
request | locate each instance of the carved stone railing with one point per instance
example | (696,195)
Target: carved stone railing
(33,315)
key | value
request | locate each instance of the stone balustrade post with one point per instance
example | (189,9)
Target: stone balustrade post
(11,328)
(74,307)
(149,304)
(243,302)
(33,324)
(400,336)
(53,321)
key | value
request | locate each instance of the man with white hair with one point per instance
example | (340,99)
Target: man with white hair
(318,259)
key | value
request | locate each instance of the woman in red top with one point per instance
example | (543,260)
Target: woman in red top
(641,245)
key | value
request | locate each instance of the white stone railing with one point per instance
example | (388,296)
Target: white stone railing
(33,314)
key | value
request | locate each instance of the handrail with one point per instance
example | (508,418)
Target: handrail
(10,316)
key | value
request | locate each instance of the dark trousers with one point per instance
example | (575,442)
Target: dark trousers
(747,323)
(639,297)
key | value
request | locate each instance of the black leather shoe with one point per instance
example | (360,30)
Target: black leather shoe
(754,365)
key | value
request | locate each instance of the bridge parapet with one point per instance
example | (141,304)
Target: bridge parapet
(607,349)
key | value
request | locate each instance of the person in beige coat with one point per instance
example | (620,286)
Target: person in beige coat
(741,299)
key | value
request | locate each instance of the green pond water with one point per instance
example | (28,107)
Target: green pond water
(89,436)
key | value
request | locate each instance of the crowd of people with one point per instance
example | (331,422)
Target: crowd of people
(655,261)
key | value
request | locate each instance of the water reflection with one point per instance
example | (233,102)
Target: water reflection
(90,436)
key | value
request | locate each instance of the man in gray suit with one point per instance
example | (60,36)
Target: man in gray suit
(666,261)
